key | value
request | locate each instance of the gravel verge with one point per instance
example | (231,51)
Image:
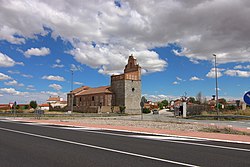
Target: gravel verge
(140,123)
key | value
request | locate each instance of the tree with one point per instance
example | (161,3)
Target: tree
(143,99)
(165,103)
(33,104)
(199,98)
(191,99)
(223,101)
(146,110)
(160,105)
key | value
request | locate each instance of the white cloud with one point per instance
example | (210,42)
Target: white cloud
(37,52)
(160,97)
(237,73)
(4,77)
(13,83)
(211,73)
(57,66)
(8,33)
(13,72)
(135,27)
(74,67)
(175,83)
(18,72)
(58,61)
(31,87)
(49,93)
(55,86)
(25,97)
(53,78)
(178,78)
(26,75)
(242,67)
(78,83)
(12,91)
(194,78)
(6,61)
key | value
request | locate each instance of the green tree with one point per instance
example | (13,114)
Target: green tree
(122,109)
(33,104)
(165,103)
(160,105)
(146,110)
(191,99)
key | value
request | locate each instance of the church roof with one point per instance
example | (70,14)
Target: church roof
(98,90)
(80,89)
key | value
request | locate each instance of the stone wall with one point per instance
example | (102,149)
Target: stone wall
(118,88)
(132,96)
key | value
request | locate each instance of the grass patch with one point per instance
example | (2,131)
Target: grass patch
(225,130)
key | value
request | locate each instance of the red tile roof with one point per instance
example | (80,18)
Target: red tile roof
(78,90)
(44,105)
(54,99)
(98,90)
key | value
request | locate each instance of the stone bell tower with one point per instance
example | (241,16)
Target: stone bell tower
(127,87)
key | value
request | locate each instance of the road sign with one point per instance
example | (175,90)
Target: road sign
(247,97)
(11,105)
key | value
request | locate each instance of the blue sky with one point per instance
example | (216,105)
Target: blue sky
(41,41)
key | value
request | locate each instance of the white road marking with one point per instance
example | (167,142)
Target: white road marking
(100,148)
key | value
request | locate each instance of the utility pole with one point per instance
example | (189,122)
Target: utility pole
(216,84)
(72,94)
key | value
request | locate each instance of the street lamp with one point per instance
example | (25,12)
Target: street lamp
(216,84)
(72,95)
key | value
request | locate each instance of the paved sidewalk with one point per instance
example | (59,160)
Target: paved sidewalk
(205,135)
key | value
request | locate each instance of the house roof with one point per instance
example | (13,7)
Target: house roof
(102,89)
(44,105)
(54,98)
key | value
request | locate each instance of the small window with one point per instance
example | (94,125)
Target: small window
(133,89)
(80,99)
(93,98)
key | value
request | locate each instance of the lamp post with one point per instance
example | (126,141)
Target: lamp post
(72,95)
(216,84)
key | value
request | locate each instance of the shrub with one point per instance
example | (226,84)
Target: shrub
(146,110)
(122,109)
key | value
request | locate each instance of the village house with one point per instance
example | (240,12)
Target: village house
(55,102)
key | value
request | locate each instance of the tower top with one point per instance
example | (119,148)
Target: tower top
(132,65)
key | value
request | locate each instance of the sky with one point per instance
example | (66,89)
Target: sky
(41,42)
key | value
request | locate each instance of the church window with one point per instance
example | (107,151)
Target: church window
(133,89)
(93,98)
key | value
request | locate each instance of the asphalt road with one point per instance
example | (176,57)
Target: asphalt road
(34,145)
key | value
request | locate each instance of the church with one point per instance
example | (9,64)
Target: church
(124,91)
